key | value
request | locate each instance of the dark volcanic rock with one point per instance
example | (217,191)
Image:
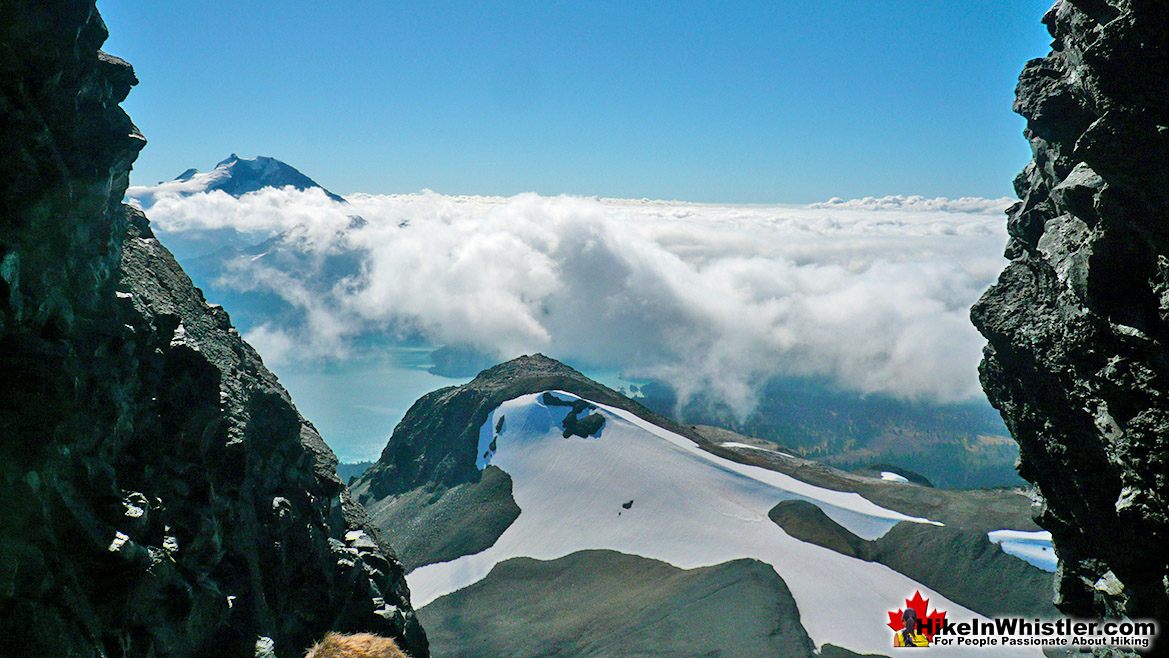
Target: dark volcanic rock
(162,496)
(438,524)
(1077,323)
(573,424)
(428,470)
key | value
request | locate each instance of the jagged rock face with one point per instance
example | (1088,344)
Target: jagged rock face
(161,494)
(1077,324)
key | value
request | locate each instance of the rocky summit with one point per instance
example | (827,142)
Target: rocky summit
(1077,323)
(426,484)
(161,494)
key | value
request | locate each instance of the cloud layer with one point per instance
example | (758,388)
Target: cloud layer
(873,294)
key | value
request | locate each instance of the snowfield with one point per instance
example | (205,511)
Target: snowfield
(685,507)
(1033,547)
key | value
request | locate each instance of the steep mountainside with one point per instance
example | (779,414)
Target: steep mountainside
(162,496)
(427,484)
(511,466)
(956,445)
(439,434)
(1077,323)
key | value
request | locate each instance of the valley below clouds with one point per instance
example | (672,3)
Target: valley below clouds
(870,295)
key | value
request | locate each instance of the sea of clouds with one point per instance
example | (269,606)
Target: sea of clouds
(871,294)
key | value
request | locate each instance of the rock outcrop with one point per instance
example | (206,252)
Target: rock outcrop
(438,438)
(1077,324)
(161,494)
(426,485)
(605,603)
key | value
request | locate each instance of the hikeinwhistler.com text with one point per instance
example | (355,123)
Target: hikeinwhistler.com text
(1017,632)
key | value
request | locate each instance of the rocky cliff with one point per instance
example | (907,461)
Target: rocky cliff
(1077,323)
(161,494)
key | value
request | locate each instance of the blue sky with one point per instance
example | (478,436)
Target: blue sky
(748,102)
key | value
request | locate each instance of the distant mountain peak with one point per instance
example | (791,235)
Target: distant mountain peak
(187,175)
(237,176)
(234,175)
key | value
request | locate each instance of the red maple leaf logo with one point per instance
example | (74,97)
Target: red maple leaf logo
(919,606)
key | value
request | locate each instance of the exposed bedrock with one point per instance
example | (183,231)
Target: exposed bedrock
(1077,323)
(161,495)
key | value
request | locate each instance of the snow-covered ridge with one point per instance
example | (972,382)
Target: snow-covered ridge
(642,490)
(234,176)
(186,184)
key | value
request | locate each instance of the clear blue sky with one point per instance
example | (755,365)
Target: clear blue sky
(781,101)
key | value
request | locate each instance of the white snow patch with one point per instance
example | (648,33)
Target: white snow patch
(1033,547)
(893,477)
(736,444)
(691,509)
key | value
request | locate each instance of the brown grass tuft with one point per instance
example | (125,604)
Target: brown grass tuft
(361,645)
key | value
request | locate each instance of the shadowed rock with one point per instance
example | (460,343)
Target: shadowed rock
(161,494)
(1078,321)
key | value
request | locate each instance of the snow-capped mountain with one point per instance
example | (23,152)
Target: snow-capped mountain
(235,175)
(532,472)
(479,279)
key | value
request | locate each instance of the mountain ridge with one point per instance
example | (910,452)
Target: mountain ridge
(624,484)
(399,466)
(427,484)
(445,516)
(162,494)
(235,176)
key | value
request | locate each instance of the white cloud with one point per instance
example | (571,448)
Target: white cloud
(965,204)
(873,294)
(273,344)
